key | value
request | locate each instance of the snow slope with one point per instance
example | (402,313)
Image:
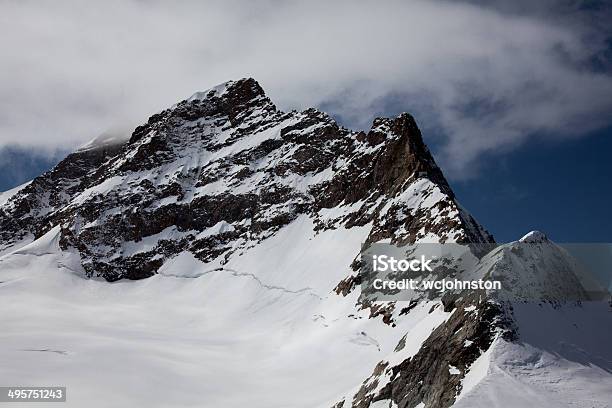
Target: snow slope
(564,359)
(250,334)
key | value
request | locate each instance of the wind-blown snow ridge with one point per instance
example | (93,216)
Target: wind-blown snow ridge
(534,237)
(216,91)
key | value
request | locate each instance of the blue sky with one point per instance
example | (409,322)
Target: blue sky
(563,189)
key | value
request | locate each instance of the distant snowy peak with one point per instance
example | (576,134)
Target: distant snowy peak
(220,90)
(116,137)
(228,155)
(535,269)
(534,237)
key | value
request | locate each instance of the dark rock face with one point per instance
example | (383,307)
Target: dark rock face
(457,343)
(226,169)
(433,375)
(25,214)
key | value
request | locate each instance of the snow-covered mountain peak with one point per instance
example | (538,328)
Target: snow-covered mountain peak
(229,155)
(237,92)
(535,269)
(115,137)
(217,91)
(534,237)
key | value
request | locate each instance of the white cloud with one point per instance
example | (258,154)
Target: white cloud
(487,79)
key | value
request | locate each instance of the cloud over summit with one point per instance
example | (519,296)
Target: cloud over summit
(485,78)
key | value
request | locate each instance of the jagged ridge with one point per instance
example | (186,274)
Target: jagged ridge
(226,169)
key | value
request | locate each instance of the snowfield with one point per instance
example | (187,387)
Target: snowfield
(188,336)
(254,334)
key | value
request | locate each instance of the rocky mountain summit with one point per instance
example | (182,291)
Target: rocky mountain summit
(265,212)
(224,170)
